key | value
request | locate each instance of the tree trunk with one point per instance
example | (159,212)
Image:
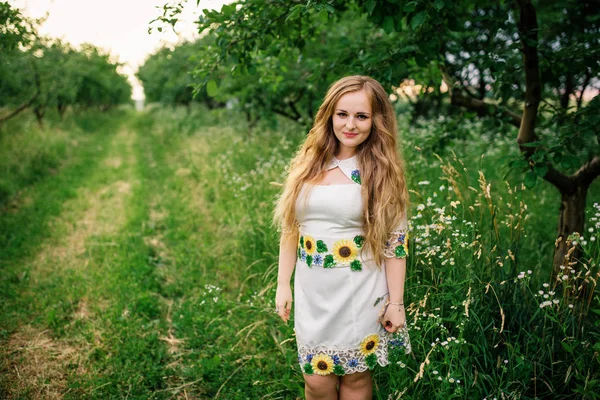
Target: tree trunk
(61,107)
(572,219)
(39,112)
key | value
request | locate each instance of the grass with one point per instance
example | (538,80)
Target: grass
(145,267)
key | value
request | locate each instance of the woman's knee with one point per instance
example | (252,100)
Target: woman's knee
(359,381)
(321,386)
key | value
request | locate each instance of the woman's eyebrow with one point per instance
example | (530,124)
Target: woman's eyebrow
(360,112)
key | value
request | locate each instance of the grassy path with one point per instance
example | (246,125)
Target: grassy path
(123,287)
(79,301)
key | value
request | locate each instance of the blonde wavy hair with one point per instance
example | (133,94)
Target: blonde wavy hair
(384,192)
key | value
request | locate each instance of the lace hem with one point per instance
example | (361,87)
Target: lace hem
(397,245)
(343,360)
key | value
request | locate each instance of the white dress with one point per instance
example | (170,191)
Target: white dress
(339,291)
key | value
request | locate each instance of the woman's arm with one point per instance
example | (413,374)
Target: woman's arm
(395,315)
(287,262)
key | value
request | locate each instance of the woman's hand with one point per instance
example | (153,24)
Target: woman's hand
(283,301)
(394,318)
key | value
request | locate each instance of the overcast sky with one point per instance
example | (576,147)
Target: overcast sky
(118,26)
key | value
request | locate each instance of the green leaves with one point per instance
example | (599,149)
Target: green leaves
(211,88)
(370,6)
(529,180)
(388,24)
(418,20)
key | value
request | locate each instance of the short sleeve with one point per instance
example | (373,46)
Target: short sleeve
(397,244)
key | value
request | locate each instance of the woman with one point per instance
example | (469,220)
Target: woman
(342,212)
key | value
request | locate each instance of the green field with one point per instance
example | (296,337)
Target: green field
(138,261)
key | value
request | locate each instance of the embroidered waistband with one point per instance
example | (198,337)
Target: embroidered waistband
(328,253)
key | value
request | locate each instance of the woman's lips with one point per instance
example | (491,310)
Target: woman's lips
(350,135)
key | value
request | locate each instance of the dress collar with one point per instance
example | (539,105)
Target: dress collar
(348,166)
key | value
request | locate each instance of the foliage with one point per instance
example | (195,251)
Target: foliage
(44,73)
(14,28)
(167,75)
(477,45)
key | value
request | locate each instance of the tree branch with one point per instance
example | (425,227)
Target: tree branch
(562,182)
(284,114)
(24,106)
(586,82)
(588,172)
(457,98)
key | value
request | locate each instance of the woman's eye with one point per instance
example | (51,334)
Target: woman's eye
(341,114)
(362,117)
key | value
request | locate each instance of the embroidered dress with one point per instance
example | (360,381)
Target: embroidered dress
(339,291)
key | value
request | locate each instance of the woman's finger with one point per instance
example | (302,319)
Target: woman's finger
(280,308)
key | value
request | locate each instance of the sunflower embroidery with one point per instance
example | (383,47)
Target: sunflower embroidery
(369,345)
(309,245)
(322,364)
(344,251)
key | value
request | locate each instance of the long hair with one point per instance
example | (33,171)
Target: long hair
(383,188)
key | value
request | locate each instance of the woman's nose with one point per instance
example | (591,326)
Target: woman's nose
(350,123)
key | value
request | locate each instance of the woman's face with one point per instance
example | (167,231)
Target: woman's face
(352,122)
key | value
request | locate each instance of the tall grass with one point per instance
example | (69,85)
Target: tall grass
(486,321)
(171,292)
(29,152)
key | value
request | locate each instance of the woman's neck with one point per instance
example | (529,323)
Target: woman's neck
(344,154)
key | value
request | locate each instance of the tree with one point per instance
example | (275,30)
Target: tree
(494,57)
(16,31)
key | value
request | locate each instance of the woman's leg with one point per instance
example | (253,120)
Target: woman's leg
(357,386)
(320,387)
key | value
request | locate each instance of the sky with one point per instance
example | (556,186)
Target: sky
(117,26)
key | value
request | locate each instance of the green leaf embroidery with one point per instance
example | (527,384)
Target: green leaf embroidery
(308,369)
(309,260)
(321,246)
(355,175)
(328,262)
(339,370)
(400,252)
(299,254)
(355,266)
(371,360)
(359,240)
(302,241)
